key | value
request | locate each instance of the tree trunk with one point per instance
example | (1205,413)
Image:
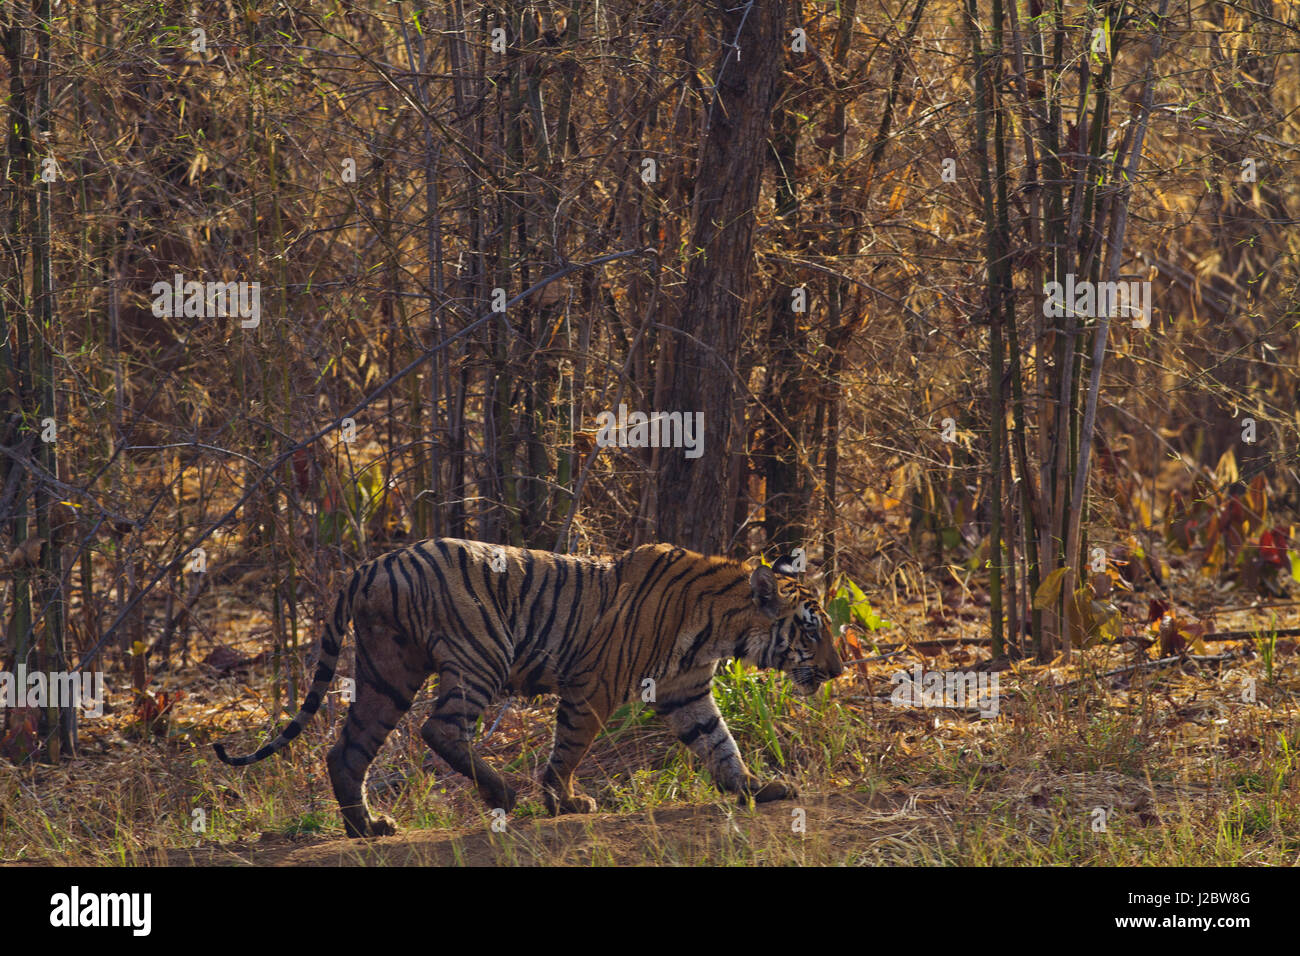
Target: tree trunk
(702,350)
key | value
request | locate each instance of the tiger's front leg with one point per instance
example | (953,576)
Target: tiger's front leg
(694,717)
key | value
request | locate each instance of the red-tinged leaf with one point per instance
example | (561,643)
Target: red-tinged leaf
(20,738)
(154,711)
(1172,641)
(1156,610)
(1273,547)
(304,469)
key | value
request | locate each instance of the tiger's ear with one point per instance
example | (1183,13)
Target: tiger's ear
(785,565)
(763,585)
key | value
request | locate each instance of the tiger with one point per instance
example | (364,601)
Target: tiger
(652,623)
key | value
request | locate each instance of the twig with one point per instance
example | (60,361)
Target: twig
(868,660)
(1244,635)
(1162,662)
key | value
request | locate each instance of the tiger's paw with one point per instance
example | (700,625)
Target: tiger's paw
(505,798)
(358,824)
(578,803)
(774,790)
(381,824)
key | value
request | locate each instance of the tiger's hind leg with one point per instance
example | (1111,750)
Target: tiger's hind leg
(386,684)
(449,731)
(576,726)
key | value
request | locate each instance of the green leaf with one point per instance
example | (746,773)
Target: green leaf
(852,604)
(839,611)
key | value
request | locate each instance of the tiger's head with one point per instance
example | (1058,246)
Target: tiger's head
(799,641)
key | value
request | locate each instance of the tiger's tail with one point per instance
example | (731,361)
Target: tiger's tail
(331,641)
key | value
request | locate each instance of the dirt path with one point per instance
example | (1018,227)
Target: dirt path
(837,827)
